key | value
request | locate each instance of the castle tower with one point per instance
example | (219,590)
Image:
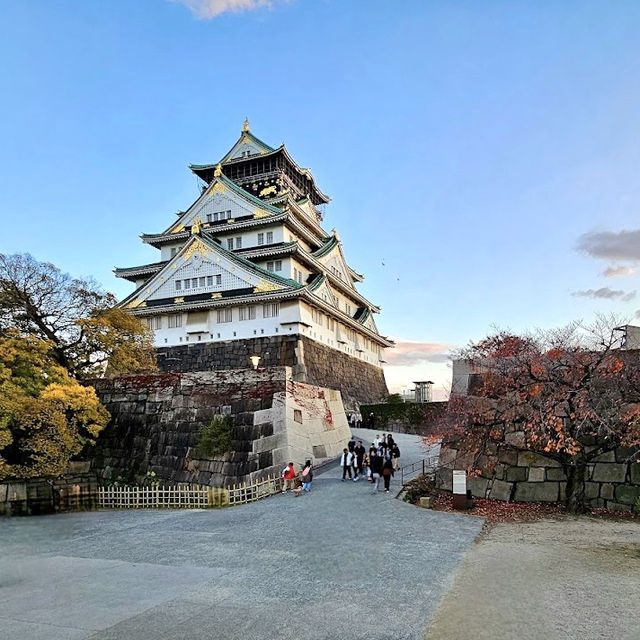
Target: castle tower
(247,270)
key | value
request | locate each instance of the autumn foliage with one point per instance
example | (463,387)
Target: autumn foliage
(570,395)
(46,416)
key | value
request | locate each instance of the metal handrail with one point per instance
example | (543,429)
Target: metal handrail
(416,468)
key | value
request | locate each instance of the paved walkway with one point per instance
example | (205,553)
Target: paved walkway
(337,563)
(564,579)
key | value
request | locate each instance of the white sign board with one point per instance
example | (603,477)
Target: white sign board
(460,482)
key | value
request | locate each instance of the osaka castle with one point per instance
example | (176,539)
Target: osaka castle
(247,274)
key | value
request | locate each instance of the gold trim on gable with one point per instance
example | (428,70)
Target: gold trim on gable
(178,300)
(258,213)
(216,295)
(265,286)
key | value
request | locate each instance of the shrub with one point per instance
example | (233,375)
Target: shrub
(419,487)
(637,507)
(215,438)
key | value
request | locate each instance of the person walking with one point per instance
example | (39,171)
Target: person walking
(395,456)
(371,421)
(390,442)
(351,445)
(375,463)
(346,461)
(307,476)
(359,452)
(288,477)
(387,472)
(382,447)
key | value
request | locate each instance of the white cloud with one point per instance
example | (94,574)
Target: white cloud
(408,352)
(211,8)
(617,271)
(622,245)
(607,293)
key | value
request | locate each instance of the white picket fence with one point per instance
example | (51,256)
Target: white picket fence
(185,496)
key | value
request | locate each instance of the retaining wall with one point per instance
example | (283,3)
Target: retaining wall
(156,422)
(613,480)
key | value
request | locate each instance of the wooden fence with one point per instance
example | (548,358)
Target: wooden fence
(185,496)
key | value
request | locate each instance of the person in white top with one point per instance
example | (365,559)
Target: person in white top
(346,462)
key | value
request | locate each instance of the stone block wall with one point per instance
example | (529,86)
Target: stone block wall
(613,481)
(311,362)
(156,421)
(35,496)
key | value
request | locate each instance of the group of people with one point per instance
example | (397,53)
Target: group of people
(382,461)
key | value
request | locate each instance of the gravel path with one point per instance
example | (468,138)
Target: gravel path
(565,579)
(336,563)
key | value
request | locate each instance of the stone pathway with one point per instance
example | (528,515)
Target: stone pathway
(336,563)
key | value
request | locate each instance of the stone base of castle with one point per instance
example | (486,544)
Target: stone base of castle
(358,381)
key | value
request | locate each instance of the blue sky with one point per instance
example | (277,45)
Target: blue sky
(482,157)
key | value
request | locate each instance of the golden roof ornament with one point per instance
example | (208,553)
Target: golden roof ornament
(335,234)
(218,171)
(245,126)
(195,227)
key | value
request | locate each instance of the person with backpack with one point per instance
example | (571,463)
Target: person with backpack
(346,461)
(375,464)
(288,477)
(387,472)
(307,476)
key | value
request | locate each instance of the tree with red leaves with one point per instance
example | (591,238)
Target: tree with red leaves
(569,395)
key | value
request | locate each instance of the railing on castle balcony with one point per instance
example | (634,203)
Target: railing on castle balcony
(185,496)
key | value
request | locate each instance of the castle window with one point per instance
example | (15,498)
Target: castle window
(155,322)
(178,285)
(174,250)
(230,244)
(194,283)
(187,284)
(202,281)
(269,237)
(175,320)
(270,265)
(208,217)
(247,313)
(260,238)
(239,242)
(218,279)
(209,281)
(225,315)
(277,265)
(271,310)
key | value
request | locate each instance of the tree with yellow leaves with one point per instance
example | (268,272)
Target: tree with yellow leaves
(46,416)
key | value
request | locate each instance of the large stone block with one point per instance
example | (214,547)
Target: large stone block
(536,474)
(627,494)
(591,490)
(537,492)
(635,473)
(508,457)
(609,472)
(555,475)
(607,456)
(533,459)
(516,474)
(478,486)
(501,490)
(606,491)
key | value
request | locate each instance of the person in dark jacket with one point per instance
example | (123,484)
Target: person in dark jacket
(359,452)
(387,472)
(395,456)
(375,462)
